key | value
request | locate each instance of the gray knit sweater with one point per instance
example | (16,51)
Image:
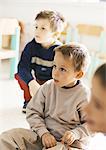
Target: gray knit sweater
(56,110)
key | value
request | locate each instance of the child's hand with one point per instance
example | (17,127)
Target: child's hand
(48,140)
(68,138)
(33,87)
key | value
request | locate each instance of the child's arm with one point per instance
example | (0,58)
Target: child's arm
(24,66)
(36,112)
(36,117)
(81,130)
(33,86)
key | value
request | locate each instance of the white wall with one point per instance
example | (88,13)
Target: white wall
(1,9)
(26,10)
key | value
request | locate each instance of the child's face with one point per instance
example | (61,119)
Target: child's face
(43,31)
(96,109)
(63,71)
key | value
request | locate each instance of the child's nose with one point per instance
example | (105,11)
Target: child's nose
(56,72)
(37,30)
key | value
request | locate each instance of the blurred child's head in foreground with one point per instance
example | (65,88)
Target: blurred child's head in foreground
(96,109)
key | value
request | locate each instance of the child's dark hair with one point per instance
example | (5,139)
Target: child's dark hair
(77,52)
(56,19)
(101,73)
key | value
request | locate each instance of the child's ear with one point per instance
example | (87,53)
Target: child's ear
(79,74)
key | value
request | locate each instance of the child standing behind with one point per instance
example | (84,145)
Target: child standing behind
(38,54)
(55,113)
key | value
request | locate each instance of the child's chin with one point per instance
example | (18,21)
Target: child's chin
(56,83)
(37,40)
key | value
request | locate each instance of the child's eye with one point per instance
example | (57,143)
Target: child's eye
(43,28)
(54,66)
(62,69)
(97,105)
(96,102)
(36,27)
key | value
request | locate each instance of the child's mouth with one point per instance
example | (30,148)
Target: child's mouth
(37,36)
(56,81)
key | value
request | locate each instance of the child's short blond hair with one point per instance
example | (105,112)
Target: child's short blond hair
(77,52)
(57,21)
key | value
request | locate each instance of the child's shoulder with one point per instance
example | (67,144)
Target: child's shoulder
(84,86)
(84,90)
(32,45)
(58,43)
(48,85)
(32,42)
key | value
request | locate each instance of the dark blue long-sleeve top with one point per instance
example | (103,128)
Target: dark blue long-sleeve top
(37,58)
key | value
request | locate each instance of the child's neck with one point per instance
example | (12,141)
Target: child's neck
(49,44)
(73,84)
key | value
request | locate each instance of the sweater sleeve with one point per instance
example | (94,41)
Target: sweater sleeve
(35,113)
(81,131)
(24,66)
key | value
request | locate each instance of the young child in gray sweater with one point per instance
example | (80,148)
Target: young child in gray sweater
(55,114)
